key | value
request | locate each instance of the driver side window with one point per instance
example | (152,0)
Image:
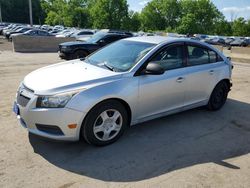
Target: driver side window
(170,57)
(110,39)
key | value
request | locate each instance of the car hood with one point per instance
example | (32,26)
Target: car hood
(73,43)
(67,76)
(16,34)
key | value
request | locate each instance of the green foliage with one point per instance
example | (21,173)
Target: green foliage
(200,14)
(109,13)
(132,22)
(160,14)
(66,12)
(223,27)
(188,24)
(241,27)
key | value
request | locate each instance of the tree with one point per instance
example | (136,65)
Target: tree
(203,19)
(223,27)
(187,24)
(132,22)
(240,27)
(160,14)
(66,12)
(109,13)
(184,16)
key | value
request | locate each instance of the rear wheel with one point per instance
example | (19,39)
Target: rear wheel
(105,123)
(218,96)
(80,54)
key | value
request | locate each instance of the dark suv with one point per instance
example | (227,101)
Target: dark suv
(80,49)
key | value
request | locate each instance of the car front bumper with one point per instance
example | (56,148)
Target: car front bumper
(65,55)
(49,122)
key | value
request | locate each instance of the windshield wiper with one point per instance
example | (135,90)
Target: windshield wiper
(109,67)
(83,59)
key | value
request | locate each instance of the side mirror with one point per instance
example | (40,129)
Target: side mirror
(101,42)
(153,68)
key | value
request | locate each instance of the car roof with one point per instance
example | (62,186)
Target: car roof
(164,39)
(154,39)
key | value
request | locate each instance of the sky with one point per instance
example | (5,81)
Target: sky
(230,8)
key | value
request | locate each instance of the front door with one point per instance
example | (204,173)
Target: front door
(166,92)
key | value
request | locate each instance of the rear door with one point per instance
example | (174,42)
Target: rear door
(204,67)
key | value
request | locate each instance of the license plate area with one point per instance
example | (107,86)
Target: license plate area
(16,109)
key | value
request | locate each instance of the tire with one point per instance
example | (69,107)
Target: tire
(218,96)
(79,54)
(105,123)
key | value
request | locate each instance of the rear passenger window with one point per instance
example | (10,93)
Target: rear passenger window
(170,58)
(200,56)
(197,56)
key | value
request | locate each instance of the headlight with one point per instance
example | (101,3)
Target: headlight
(64,47)
(56,101)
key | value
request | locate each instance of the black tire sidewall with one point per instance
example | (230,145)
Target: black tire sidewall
(80,52)
(87,129)
(220,86)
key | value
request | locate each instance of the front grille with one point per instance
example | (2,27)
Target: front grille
(22,100)
(24,95)
(60,48)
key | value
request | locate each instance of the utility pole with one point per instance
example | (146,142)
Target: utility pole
(31,19)
(1,19)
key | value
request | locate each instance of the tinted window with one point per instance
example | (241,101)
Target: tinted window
(170,58)
(96,37)
(110,39)
(31,32)
(197,56)
(85,33)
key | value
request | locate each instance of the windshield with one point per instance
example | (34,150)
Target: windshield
(120,56)
(96,37)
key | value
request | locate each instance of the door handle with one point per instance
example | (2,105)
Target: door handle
(211,72)
(180,80)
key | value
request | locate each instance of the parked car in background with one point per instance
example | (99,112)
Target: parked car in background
(125,83)
(55,32)
(240,42)
(228,41)
(45,27)
(21,30)
(80,49)
(82,34)
(58,27)
(216,41)
(7,32)
(3,26)
(65,33)
(37,32)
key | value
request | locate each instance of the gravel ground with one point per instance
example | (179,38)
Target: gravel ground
(196,148)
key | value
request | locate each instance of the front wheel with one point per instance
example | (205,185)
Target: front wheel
(105,123)
(218,96)
(80,54)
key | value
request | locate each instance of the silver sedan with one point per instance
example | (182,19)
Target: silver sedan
(128,82)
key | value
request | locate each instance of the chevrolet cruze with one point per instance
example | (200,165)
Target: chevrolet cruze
(128,82)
